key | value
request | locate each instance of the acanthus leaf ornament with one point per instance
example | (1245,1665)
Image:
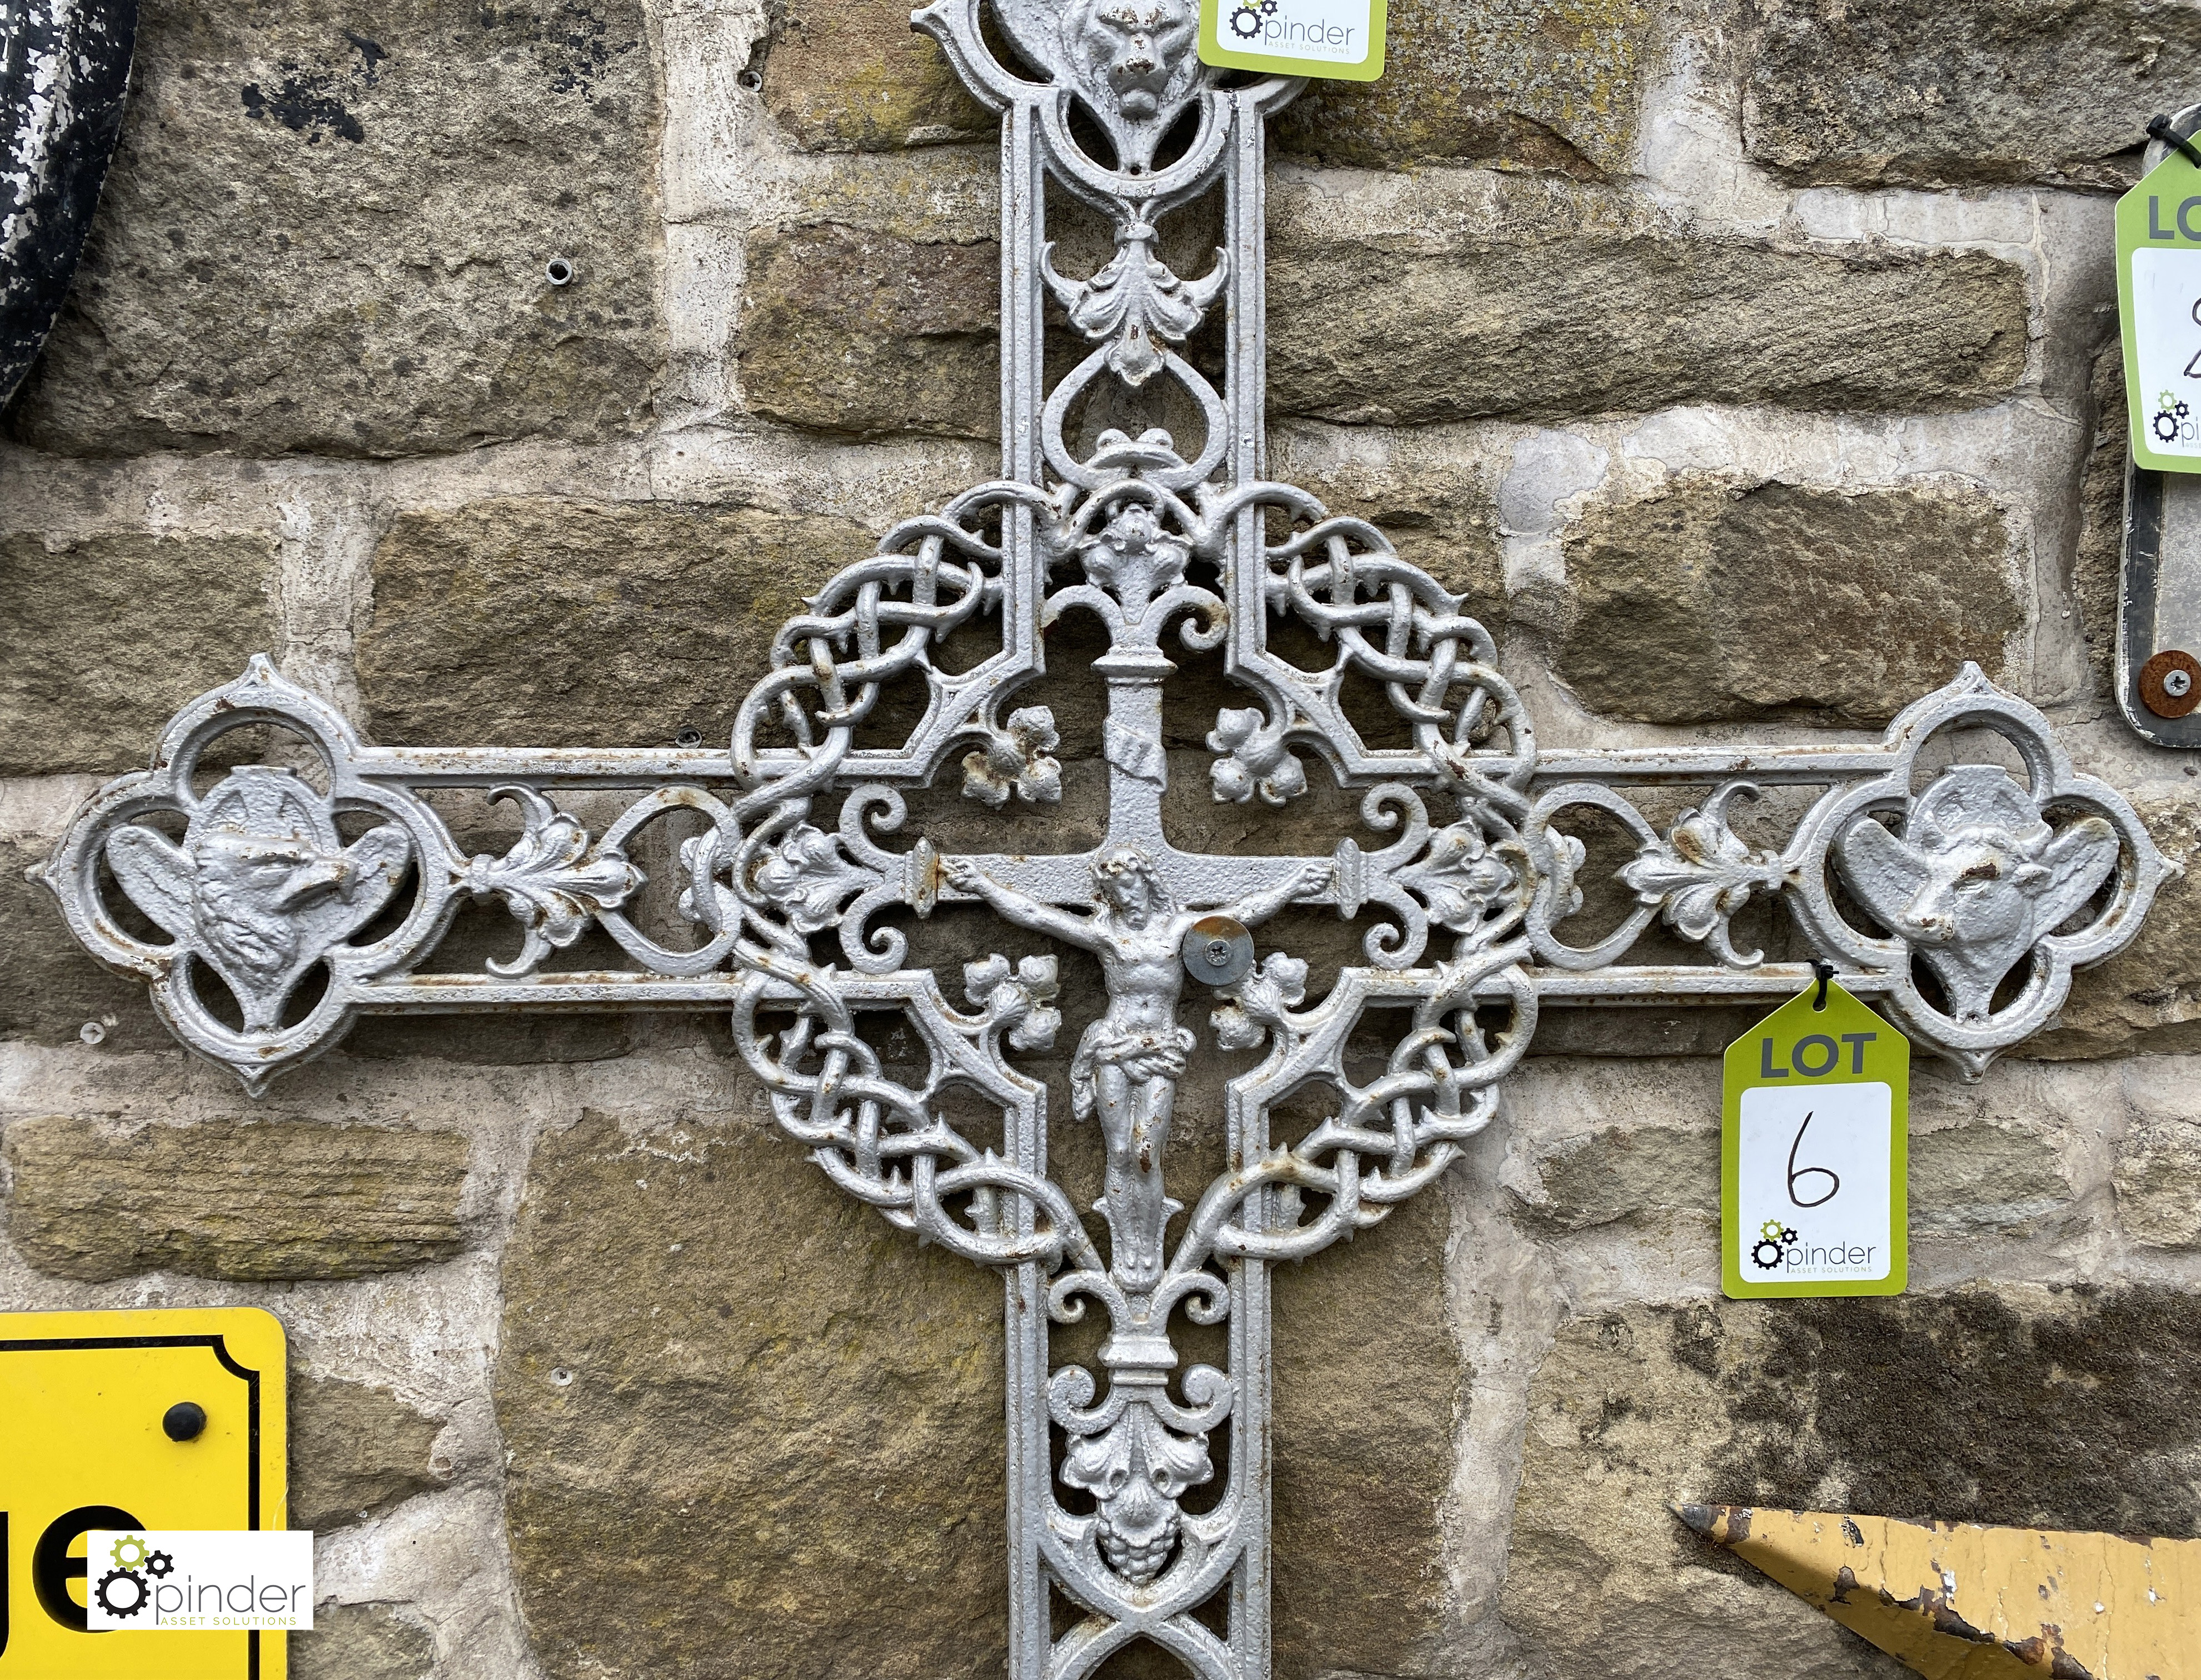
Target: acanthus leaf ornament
(806,878)
(1700,874)
(549,880)
(1135,301)
(1467,874)
(1463,877)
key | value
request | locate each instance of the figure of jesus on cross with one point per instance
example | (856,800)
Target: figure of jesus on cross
(1128,1062)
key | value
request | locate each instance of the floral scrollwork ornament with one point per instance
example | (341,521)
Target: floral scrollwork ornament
(549,879)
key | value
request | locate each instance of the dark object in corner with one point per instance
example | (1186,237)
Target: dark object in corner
(64,70)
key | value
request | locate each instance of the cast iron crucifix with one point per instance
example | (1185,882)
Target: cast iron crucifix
(1961,905)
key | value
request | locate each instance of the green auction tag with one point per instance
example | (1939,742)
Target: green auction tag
(2159,299)
(1342,39)
(1814,1151)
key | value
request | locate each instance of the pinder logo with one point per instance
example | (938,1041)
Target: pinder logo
(206,1579)
(1774,1239)
(2170,424)
(123,1590)
(1249,17)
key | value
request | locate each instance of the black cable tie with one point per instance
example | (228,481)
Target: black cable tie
(2159,128)
(1826,973)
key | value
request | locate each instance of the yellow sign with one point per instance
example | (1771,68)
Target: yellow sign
(1955,1599)
(158,1420)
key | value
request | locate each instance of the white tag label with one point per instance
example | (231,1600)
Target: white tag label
(1330,31)
(198,1580)
(2167,342)
(1814,1167)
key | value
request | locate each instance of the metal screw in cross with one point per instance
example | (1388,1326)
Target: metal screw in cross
(1962,907)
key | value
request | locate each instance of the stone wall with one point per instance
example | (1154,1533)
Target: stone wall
(1747,367)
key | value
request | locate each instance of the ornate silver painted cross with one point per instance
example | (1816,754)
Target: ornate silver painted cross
(1962,902)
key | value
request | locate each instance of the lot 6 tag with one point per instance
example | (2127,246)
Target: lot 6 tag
(2159,303)
(1814,1152)
(1339,39)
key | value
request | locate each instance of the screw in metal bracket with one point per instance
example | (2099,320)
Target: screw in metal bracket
(2170,683)
(1217,950)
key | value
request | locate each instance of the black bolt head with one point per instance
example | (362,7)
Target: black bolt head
(185,1420)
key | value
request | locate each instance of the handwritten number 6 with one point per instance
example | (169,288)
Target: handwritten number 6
(1835,1182)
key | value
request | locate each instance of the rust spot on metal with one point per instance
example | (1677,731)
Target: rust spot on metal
(2170,683)
(1947,1619)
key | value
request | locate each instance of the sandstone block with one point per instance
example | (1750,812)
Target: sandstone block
(699,1284)
(2016,1405)
(728,1386)
(1984,1178)
(1580,318)
(355,1450)
(108,636)
(2157,1178)
(278,1198)
(1370,1387)
(855,329)
(1703,1029)
(331,233)
(1440,514)
(53,987)
(1710,599)
(1544,303)
(852,75)
(1626,1172)
(2098,565)
(525,622)
(2147,998)
(1895,91)
(1513,84)
(362,1641)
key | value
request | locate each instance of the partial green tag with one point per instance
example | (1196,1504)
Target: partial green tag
(1342,39)
(1814,1153)
(2159,299)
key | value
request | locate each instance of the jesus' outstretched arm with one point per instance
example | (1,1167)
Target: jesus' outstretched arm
(1256,907)
(1026,912)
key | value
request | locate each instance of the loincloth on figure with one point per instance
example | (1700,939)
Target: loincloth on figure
(1142,1054)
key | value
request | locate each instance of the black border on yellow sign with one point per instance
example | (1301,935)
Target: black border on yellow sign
(220,1350)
